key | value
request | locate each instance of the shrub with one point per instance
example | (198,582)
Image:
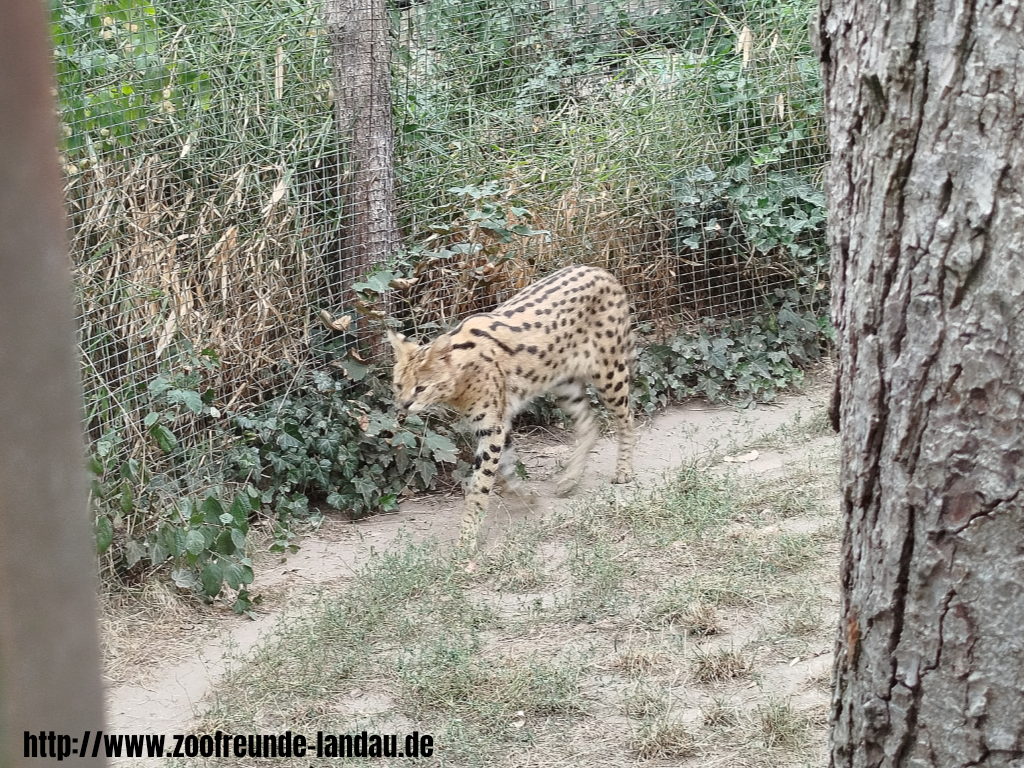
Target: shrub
(339,442)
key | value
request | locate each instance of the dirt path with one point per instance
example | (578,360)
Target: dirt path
(163,696)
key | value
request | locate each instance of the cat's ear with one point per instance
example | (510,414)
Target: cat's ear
(442,347)
(402,346)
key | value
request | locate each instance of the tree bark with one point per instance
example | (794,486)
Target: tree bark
(359,31)
(926,198)
(49,642)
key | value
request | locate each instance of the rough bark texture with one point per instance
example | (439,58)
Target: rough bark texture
(359,32)
(926,194)
(49,643)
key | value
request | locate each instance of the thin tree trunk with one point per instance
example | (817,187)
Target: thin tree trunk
(359,31)
(926,198)
(49,642)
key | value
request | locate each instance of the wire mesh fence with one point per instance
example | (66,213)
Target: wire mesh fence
(224,166)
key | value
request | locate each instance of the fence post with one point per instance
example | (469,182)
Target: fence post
(49,650)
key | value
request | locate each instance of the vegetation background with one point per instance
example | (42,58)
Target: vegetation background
(679,144)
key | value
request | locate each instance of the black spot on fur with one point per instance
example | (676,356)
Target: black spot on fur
(498,324)
(485,335)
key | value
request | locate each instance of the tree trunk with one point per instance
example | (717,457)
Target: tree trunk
(926,199)
(50,686)
(359,31)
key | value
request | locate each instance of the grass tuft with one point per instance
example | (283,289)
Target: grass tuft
(782,726)
(662,738)
(719,665)
(719,715)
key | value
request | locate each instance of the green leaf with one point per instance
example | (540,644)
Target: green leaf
(172,539)
(191,400)
(134,551)
(244,604)
(184,578)
(353,370)
(376,283)
(379,422)
(405,438)
(94,465)
(525,231)
(473,191)
(441,448)
(426,470)
(104,534)
(366,488)
(158,386)
(703,174)
(212,509)
(127,502)
(195,542)
(164,438)
(233,575)
(717,359)
(212,578)
(225,545)
(240,510)
(157,551)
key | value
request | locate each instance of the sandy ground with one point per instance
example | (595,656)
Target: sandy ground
(164,694)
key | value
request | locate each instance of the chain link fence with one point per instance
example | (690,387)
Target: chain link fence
(215,154)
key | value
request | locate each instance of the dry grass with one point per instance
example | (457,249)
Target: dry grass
(602,653)
(781,725)
(158,267)
(145,629)
(604,230)
(641,661)
(719,665)
(663,739)
(719,714)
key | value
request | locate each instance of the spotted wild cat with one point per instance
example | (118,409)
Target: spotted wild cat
(565,331)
